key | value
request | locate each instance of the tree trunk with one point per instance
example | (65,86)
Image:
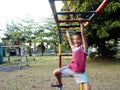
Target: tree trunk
(102,48)
(30,53)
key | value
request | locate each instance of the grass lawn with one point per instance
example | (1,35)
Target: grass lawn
(103,74)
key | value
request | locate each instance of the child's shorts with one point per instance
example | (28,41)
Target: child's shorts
(79,77)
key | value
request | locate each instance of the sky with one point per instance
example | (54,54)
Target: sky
(13,9)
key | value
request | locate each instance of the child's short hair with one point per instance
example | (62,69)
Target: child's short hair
(78,33)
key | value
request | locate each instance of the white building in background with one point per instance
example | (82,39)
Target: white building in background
(34,46)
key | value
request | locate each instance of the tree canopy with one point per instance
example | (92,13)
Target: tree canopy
(29,31)
(102,31)
(103,28)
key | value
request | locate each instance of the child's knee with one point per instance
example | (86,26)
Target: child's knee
(56,71)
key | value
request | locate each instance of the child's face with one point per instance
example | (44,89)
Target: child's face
(77,40)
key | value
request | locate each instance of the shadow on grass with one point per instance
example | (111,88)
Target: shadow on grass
(8,68)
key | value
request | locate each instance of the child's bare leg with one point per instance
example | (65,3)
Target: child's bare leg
(86,86)
(57,74)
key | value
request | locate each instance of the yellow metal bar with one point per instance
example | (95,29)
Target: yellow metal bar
(81,86)
(86,23)
(60,50)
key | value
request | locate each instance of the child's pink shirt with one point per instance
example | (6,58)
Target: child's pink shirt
(78,61)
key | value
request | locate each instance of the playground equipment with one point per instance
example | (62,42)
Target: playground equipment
(21,53)
(62,27)
(1,55)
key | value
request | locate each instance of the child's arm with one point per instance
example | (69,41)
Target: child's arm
(69,39)
(84,41)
